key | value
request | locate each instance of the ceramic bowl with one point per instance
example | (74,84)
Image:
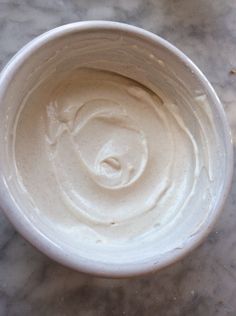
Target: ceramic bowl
(154,60)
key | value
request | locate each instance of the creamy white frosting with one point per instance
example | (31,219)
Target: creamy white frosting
(103,157)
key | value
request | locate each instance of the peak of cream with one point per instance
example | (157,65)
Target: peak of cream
(102,157)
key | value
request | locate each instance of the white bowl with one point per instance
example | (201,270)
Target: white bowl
(17,79)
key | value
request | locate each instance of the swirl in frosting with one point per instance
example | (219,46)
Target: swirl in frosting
(115,159)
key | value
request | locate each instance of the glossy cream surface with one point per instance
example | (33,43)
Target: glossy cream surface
(103,158)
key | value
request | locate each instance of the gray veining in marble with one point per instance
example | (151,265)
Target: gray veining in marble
(204,283)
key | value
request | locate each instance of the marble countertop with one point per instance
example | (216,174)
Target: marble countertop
(204,283)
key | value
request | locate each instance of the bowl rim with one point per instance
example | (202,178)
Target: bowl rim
(42,242)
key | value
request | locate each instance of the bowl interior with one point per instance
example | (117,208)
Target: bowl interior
(152,62)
